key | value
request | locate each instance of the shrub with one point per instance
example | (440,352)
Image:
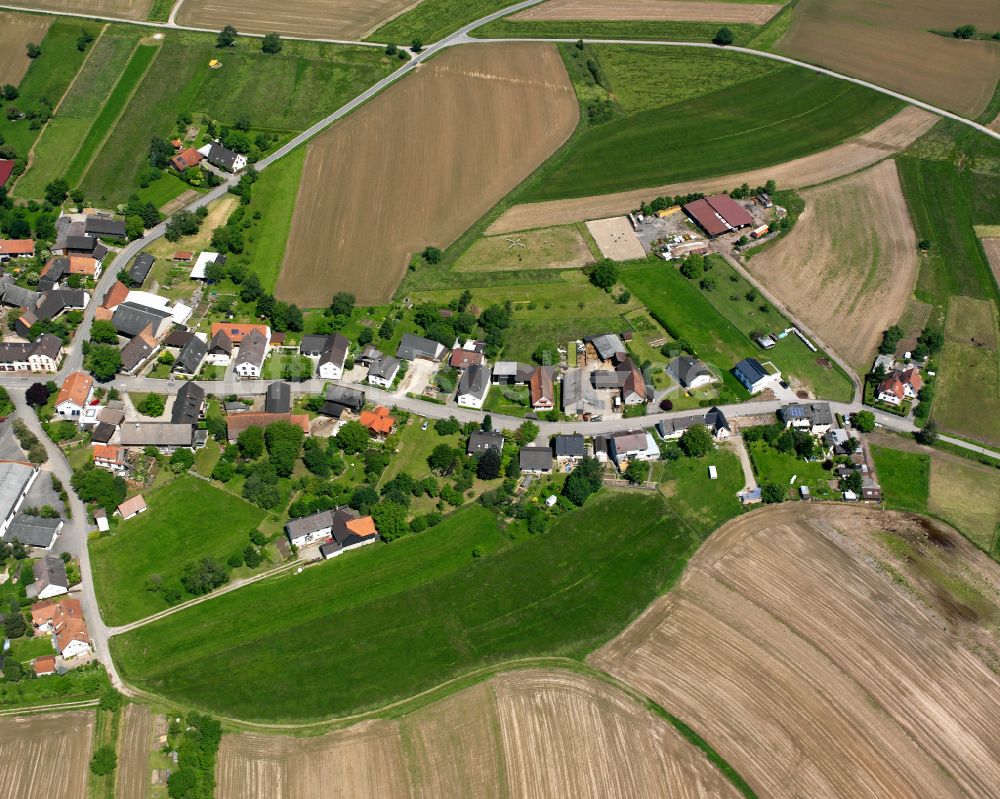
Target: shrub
(104,761)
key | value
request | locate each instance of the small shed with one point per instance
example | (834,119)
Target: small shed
(552,500)
(804,492)
(713,473)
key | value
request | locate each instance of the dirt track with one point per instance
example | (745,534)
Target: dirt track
(850,265)
(45,757)
(419,164)
(135,740)
(16,30)
(655,10)
(891,136)
(810,671)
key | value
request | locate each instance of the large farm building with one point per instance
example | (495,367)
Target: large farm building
(718,214)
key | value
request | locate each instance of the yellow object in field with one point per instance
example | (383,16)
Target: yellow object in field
(214,64)
(668,211)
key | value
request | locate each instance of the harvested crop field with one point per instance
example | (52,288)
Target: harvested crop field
(891,136)
(45,757)
(652,10)
(548,248)
(789,642)
(135,740)
(849,266)
(992,249)
(890,43)
(124,9)
(16,30)
(330,19)
(377,190)
(530,734)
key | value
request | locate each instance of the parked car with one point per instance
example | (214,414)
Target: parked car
(424,425)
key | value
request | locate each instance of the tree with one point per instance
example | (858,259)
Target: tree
(284,442)
(390,520)
(546,354)
(226,37)
(772,492)
(487,423)
(432,255)
(890,339)
(723,37)
(14,625)
(852,482)
(443,459)
(104,362)
(417,44)
(223,471)
(352,437)
(13,671)
(103,761)
(37,395)
(181,461)
(604,275)
(488,467)
(696,441)
(363,497)
(526,433)
(99,486)
(637,471)
(390,49)
(964,32)
(863,421)
(271,44)
(693,266)
(33,50)
(251,556)
(183,223)
(152,405)
(930,340)
(928,434)
(9,92)
(342,304)
(251,443)
(56,191)
(583,481)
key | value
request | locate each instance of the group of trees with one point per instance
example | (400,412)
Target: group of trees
(185,223)
(227,37)
(196,740)
(252,554)
(99,486)
(34,220)
(787,440)
(29,442)
(103,361)
(604,274)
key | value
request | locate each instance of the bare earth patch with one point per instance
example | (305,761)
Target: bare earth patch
(124,9)
(992,248)
(45,757)
(653,10)
(135,740)
(850,264)
(16,30)
(616,239)
(890,43)
(891,136)
(394,178)
(791,649)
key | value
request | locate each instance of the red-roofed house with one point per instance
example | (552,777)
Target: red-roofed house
(16,248)
(74,395)
(132,507)
(115,296)
(379,422)
(6,170)
(899,386)
(186,159)
(65,619)
(44,665)
(109,456)
(236,331)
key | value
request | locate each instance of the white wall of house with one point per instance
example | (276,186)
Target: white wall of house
(471,400)
(331,371)
(248,370)
(75,649)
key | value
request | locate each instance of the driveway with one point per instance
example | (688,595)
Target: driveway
(418,376)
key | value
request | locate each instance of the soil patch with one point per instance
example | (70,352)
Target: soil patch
(45,757)
(616,239)
(16,30)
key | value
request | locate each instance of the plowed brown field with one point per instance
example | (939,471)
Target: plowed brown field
(654,10)
(795,654)
(419,164)
(45,757)
(530,734)
(135,740)
(992,248)
(125,9)
(890,43)
(890,137)
(328,19)
(850,264)
(16,30)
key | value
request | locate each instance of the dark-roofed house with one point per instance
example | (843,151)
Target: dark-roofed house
(223,157)
(569,447)
(369,355)
(752,374)
(481,440)
(632,445)
(104,226)
(278,398)
(474,386)
(412,347)
(130,319)
(188,404)
(140,268)
(50,575)
(716,422)
(341,529)
(190,357)
(80,244)
(382,373)
(313,345)
(713,419)
(178,338)
(40,355)
(53,303)
(250,358)
(165,436)
(816,417)
(535,460)
(102,433)
(512,373)
(333,357)
(33,531)
(138,349)
(690,372)
(578,395)
(340,399)
(220,349)
(17,296)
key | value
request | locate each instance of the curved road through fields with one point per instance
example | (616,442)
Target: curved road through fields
(74,539)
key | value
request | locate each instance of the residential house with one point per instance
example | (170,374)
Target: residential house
(132,507)
(64,619)
(278,398)
(413,347)
(138,350)
(511,373)
(50,578)
(482,440)
(312,346)
(535,460)
(342,527)
(250,358)
(223,157)
(131,318)
(462,358)
(140,269)
(33,531)
(74,395)
(632,445)
(542,389)
(815,417)
(98,226)
(571,447)
(339,399)
(16,296)
(109,456)
(44,665)
(115,296)
(633,384)
(713,419)
(189,404)
(16,248)
(186,158)
(165,436)
(474,386)
(579,397)
(40,355)
(839,441)
(333,357)
(220,349)
(900,385)
(379,422)
(716,422)
(236,331)
(690,373)
(190,358)
(237,423)
(369,355)
(754,375)
(382,373)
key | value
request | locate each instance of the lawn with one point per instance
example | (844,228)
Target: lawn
(207,457)
(972,412)
(773,466)
(769,120)
(546,248)
(561,593)
(188,519)
(704,503)
(904,477)
(414,446)
(961,492)
(431,20)
(25,649)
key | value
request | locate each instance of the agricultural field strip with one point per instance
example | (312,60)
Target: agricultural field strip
(666,10)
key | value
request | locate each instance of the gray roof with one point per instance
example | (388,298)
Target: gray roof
(191,355)
(15,295)
(80,243)
(371,353)
(221,341)
(384,368)
(628,441)
(577,391)
(221,156)
(335,350)
(130,318)
(512,371)
(535,459)
(312,345)
(686,369)
(55,302)
(279,398)
(480,441)
(14,479)
(135,351)
(178,337)
(33,531)
(102,226)
(156,434)
(475,380)
(14,351)
(569,446)
(187,404)
(49,570)
(349,397)
(47,344)
(103,432)
(751,369)
(412,347)
(140,268)
(818,413)
(607,345)
(253,348)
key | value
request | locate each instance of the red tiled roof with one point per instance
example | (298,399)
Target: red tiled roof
(75,388)
(364,526)
(463,359)
(115,296)
(236,331)
(132,506)
(17,247)
(46,664)
(378,421)
(6,169)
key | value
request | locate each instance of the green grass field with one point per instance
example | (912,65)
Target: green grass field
(599,29)
(188,519)
(564,592)
(772,465)
(904,477)
(969,412)
(770,120)
(431,20)
(696,498)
